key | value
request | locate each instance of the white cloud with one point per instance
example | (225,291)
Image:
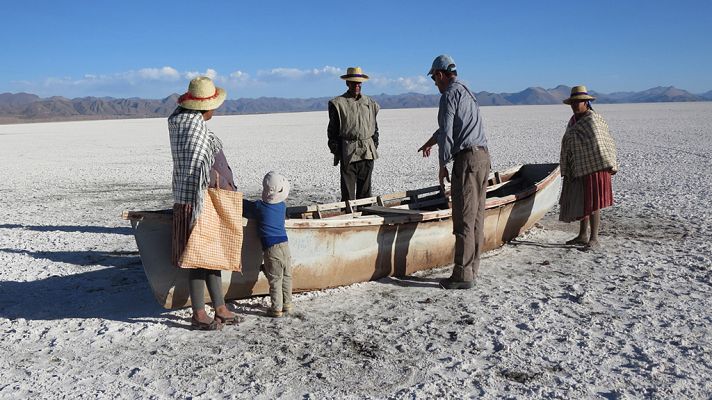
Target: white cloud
(158,73)
(298,74)
(159,81)
(418,84)
(133,77)
(239,75)
(329,70)
(292,73)
(210,73)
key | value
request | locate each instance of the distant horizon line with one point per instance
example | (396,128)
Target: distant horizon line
(378,94)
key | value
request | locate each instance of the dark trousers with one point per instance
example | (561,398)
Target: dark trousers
(198,278)
(469,189)
(356,180)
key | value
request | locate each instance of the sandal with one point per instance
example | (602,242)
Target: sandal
(213,325)
(236,319)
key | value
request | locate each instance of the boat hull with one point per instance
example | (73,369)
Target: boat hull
(336,252)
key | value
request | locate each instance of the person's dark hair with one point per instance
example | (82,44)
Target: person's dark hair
(449,74)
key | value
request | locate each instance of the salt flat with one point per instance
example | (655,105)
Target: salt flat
(631,320)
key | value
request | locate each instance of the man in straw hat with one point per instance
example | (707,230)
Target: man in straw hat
(461,138)
(198,160)
(587,162)
(353,136)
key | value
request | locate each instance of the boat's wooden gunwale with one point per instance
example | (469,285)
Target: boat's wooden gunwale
(370,220)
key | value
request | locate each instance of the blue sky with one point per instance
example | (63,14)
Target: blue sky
(151,49)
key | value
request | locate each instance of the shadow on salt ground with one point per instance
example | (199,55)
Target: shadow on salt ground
(83,258)
(71,228)
(517,242)
(411,281)
(120,292)
(609,395)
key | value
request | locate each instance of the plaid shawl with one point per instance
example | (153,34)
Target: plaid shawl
(193,147)
(587,147)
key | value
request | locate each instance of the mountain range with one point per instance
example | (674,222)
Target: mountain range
(25,107)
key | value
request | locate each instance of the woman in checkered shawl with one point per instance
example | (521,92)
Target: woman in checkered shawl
(198,160)
(588,160)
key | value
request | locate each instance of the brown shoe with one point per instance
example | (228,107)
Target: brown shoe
(274,313)
(287,308)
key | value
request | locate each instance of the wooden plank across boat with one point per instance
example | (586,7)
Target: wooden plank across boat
(356,241)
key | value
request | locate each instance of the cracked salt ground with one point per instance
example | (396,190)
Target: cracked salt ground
(630,320)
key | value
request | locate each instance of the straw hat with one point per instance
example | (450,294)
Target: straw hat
(275,188)
(354,74)
(202,95)
(579,93)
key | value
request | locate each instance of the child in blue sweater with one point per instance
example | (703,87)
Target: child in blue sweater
(270,213)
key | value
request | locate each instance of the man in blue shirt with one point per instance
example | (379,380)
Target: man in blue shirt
(461,138)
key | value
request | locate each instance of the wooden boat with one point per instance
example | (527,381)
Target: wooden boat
(356,241)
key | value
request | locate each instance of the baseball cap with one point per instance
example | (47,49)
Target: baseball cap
(443,62)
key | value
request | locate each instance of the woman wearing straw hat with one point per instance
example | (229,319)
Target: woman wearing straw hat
(588,160)
(198,161)
(353,136)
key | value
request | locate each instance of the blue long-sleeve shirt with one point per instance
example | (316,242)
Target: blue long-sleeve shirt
(459,122)
(270,221)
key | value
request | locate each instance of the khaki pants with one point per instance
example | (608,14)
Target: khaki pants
(278,269)
(469,189)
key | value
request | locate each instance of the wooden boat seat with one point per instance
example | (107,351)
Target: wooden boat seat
(390,210)
(352,204)
(344,216)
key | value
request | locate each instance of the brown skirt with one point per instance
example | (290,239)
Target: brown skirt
(580,197)
(182,214)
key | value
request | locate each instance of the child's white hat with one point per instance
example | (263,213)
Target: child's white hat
(275,188)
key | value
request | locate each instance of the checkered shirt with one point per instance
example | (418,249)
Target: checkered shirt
(193,147)
(587,147)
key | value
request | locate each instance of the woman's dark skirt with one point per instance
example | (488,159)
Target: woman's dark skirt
(580,197)
(182,215)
